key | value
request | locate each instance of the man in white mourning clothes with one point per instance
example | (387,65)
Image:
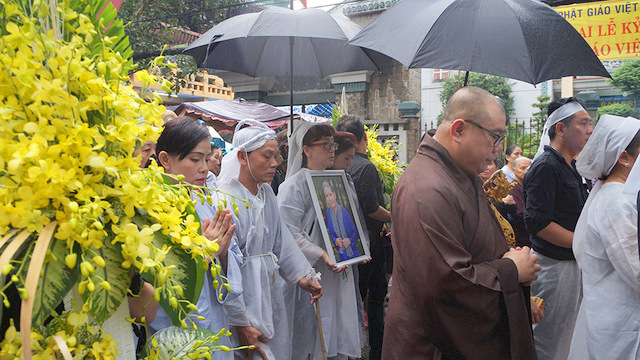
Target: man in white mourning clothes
(606,245)
(272,257)
(554,195)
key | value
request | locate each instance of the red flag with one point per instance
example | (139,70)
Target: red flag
(304,3)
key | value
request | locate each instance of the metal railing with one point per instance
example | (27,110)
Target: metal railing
(524,133)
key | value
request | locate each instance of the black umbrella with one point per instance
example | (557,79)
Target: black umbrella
(518,39)
(282,42)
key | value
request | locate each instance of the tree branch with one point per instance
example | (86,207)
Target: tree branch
(137,56)
(144,5)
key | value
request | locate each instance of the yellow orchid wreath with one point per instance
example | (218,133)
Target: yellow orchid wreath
(74,207)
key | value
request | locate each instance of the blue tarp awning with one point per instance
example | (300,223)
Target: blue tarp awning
(323,110)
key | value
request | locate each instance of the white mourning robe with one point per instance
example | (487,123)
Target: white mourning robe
(338,304)
(271,260)
(211,181)
(508,173)
(608,325)
(209,305)
(356,273)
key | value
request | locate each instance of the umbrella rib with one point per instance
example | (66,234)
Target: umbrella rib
(340,27)
(315,53)
(475,40)
(417,50)
(251,28)
(264,45)
(526,43)
(346,43)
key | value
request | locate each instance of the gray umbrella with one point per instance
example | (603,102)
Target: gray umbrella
(518,39)
(282,42)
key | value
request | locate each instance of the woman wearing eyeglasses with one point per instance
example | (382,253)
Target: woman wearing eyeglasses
(312,147)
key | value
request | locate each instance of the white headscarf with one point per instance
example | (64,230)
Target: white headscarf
(248,139)
(300,129)
(561,113)
(609,139)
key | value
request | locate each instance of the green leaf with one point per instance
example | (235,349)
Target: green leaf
(55,281)
(176,342)
(103,303)
(23,253)
(335,115)
(188,273)
(626,78)
(104,11)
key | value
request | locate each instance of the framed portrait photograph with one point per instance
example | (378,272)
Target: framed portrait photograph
(338,216)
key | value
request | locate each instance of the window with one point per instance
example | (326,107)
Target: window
(440,74)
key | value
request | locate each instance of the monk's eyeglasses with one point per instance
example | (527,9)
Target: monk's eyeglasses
(499,137)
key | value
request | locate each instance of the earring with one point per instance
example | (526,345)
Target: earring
(626,165)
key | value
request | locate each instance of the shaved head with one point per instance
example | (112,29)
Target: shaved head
(470,103)
(472,124)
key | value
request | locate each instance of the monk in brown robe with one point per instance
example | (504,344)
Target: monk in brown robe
(456,290)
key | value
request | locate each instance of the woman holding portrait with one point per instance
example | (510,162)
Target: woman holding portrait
(312,147)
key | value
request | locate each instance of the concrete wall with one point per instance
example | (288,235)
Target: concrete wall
(385,90)
(523,96)
(430,93)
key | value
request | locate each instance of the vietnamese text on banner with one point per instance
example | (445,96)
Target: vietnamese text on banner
(612,28)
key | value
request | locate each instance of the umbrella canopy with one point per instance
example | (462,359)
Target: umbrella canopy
(518,39)
(258,44)
(230,112)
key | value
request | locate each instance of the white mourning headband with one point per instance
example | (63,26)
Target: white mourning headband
(562,113)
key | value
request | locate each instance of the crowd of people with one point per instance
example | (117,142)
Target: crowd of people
(272,251)
(568,288)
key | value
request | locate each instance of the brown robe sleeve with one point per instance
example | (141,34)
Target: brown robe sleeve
(451,288)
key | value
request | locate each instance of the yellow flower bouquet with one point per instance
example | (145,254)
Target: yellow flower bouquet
(383,157)
(75,209)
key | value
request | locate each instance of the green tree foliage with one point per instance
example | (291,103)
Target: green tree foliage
(149,29)
(540,116)
(618,109)
(496,85)
(627,78)
(528,138)
(518,134)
